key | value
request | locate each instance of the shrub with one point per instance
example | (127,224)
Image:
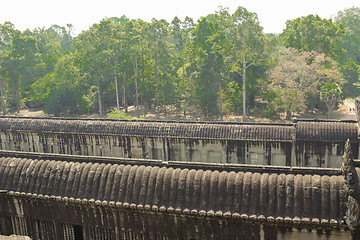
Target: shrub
(116,114)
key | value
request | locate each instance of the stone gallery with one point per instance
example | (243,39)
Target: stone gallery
(101,179)
(306,143)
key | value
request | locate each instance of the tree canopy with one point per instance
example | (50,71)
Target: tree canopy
(221,64)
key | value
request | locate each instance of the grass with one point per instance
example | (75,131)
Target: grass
(117,114)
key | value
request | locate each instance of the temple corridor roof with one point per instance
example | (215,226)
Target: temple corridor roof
(261,192)
(306,130)
(335,131)
(169,129)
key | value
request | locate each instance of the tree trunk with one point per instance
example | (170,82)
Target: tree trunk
(164,103)
(220,102)
(17,98)
(330,105)
(117,94)
(164,98)
(288,115)
(136,87)
(157,85)
(124,97)
(116,88)
(99,98)
(142,63)
(143,78)
(2,97)
(244,78)
(143,104)
(183,78)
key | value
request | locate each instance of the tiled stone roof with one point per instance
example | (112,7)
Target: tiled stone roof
(303,130)
(313,196)
(169,129)
(335,131)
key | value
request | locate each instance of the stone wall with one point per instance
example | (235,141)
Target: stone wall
(56,219)
(193,150)
(48,196)
(304,143)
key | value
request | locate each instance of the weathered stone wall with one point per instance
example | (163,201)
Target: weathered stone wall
(306,143)
(193,150)
(75,197)
(56,219)
(357,109)
(319,154)
(322,154)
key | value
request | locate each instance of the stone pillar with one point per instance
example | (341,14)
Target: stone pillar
(351,174)
(357,114)
(357,109)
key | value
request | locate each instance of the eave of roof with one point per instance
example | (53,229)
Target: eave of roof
(290,196)
(301,130)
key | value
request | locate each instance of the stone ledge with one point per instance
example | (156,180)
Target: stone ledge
(13,237)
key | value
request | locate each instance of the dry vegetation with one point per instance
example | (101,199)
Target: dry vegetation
(342,113)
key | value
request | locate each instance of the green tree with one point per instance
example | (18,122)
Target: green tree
(330,94)
(111,34)
(89,61)
(135,48)
(297,75)
(350,42)
(312,33)
(64,36)
(232,95)
(207,65)
(49,44)
(180,31)
(247,43)
(158,37)
(96,58)
(7,32)
(22,68)
(62,91)
(139,36)
(351,72)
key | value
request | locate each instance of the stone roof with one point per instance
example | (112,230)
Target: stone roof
(309,130)
(326,130)
(267,193)
(169,129)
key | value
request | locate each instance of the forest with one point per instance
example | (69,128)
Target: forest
(222,64)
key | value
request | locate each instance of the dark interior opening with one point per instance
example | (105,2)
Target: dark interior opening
(78,232)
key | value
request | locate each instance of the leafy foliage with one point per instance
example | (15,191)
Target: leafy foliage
(350,42)
(298,75)
(116,114)
(223,63)
(312,33)
(330,93)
